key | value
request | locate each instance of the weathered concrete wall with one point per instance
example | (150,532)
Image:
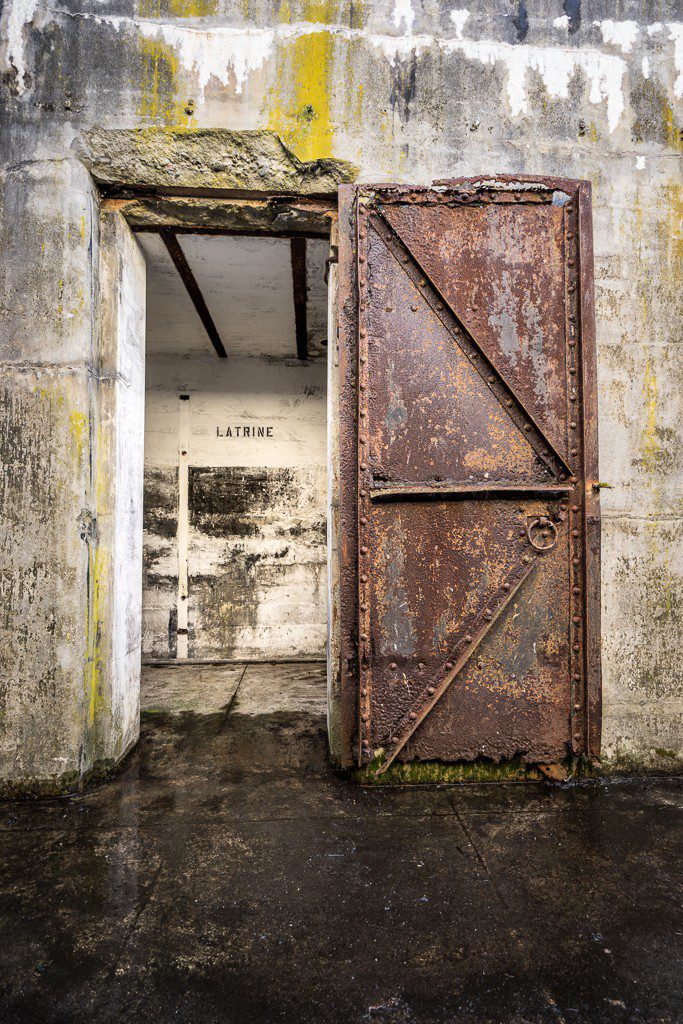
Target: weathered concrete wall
(254,539)
(45,498)
(117,559)
(408,91)
(72,415)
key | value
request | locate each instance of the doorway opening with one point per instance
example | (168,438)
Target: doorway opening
(234,608)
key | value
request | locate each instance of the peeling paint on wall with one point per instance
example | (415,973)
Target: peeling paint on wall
(622,34)
(459,19)
(16,15)
(257,562)
(160,563)
(676,35)
(403,16)
(229,54)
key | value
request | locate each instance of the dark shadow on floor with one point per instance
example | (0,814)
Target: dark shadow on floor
(229,875)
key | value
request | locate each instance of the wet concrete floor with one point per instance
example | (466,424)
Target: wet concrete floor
(228,875)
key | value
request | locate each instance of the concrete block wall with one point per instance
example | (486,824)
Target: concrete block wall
(409,91)
(255,539)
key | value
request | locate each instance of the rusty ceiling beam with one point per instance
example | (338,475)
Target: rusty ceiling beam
(298,250)
(183,267)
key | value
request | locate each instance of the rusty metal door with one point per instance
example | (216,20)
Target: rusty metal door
(469,500)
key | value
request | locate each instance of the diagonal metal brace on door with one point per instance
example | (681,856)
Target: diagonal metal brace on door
(473,350)
(461,655)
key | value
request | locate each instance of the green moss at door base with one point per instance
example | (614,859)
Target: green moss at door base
(425,773)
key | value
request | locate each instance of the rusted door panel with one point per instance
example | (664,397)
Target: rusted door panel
(500,266)
(512,694)
(440,574)
(469,515)
(432,414)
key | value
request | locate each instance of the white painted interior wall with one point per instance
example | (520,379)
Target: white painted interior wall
(244,515)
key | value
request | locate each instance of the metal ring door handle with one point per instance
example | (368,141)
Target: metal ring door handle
(541,522)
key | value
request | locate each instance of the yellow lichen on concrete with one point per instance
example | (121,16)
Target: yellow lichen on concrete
(192,8)
(77,425)
(643,285)
(671,234)
(672,132)
(177,8)
(159,82)
(96,574)
(98,571)
(300,111)
(651,444)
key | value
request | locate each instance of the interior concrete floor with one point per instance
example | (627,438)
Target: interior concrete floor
(227,874)
(249,688)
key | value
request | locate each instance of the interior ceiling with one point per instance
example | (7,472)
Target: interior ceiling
(246,283)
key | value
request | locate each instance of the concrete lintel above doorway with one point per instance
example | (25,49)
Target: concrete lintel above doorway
(253,162)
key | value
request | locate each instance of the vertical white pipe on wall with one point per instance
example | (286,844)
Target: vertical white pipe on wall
(183,524)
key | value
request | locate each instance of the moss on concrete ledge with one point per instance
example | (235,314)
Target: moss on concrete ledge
(49,787)
(656,761)
(206,159)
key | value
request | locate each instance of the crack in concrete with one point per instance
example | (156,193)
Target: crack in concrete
(56,370)
(132,926)
(514,935)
